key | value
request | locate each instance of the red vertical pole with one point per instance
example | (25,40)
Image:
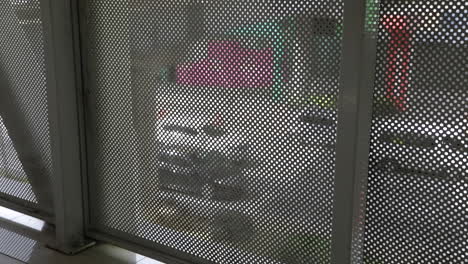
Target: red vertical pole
(398,59)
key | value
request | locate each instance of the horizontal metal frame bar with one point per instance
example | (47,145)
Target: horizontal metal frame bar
(25,207)
(20,229)
(142,247)
(43,236)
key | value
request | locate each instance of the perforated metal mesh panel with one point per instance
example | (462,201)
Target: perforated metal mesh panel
(359,222)
(418,187)
(24,137)
(215,126)
(14,180)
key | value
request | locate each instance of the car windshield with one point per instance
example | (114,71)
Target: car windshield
(181,129)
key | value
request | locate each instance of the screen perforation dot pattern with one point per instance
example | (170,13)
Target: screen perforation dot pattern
(215,126)
(417,186)
(25,155)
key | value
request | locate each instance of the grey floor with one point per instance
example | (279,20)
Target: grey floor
(100,254)
(18,248)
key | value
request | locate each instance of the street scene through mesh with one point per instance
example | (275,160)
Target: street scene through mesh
(418,187)
(25,155)
(216,126)
(215,129)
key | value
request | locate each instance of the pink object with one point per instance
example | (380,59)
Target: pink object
(231,66)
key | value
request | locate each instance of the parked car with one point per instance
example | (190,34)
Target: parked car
(251,193)
(418,174)
(436,150)
(197,155)
(201,165)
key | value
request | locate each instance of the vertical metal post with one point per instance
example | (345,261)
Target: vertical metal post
(63,83)
(354,119)
(102,72)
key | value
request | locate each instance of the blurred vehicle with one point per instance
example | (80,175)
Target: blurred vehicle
(197,153)
(435,150)
(198,156)
(418,179)
(201,174)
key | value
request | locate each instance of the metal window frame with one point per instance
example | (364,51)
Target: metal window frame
(111,236)
(63,74)
(67,104)
(355,108)
(353,138)
(25,207)
(43,236)
(88,109)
